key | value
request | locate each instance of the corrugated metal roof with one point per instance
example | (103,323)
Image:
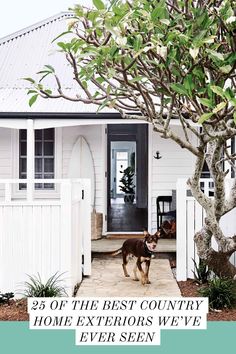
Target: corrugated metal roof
(23,54)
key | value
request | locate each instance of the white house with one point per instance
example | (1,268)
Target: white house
(45,227)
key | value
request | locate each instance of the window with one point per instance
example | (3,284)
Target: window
(44,156)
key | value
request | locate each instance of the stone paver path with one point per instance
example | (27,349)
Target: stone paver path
(107,279)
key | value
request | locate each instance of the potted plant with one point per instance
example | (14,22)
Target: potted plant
(127,185)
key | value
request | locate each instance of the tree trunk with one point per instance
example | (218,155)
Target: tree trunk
(217,261)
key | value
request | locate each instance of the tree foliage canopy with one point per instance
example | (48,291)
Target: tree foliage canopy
(157,60)
(153,57)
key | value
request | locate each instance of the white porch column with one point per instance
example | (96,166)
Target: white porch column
(30,159)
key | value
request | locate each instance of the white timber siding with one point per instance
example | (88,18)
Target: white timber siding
(93,135)
(175,163)
(45,236)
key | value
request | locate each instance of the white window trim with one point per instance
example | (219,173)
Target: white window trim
(44,193)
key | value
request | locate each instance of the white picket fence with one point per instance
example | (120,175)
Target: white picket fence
(45,236)
(190,216)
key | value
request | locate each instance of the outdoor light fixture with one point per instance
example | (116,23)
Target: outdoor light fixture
(158,156)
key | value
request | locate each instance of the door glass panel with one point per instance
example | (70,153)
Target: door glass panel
(127,208)
(123,171)
(121,165)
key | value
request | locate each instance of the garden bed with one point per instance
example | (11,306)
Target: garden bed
(190,288)
(17,309)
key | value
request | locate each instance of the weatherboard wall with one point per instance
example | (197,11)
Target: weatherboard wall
(163,173)
(174,163)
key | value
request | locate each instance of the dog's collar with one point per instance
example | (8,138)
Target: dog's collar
(147,250)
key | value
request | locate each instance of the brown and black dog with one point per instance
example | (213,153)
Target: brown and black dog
(168,229)
(143,250)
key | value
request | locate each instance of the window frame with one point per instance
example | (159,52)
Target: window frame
(18,193)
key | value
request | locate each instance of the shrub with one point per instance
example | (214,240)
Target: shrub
(52,288)
(201,272)
(5,298)
(221,293)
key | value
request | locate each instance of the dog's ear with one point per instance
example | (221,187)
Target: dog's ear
(145,233)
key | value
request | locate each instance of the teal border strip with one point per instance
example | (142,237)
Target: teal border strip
(15,337)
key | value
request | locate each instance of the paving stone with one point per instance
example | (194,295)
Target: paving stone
(107,279)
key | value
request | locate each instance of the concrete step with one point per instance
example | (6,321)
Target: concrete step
(123,236)
(109,245)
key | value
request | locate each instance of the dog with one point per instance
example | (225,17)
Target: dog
(168,229)
(143,250)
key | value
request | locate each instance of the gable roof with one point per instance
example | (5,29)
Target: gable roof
(23,54)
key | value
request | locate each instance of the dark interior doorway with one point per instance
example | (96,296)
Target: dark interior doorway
(127,177)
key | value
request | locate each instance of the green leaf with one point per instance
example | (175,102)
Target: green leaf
(78,9)
(62,46)
(84,84)
(215,54)
(43,72)
(219,107)
(100,80)
(114,49)
(99,4)
(233,101)
(48,91)
(179,88)
(60,35)
(108,89)
(231,58)
(31,91)
(50,68)
(160,12)
(206,102)
(176,72)
(137,78)
(29,79)
(226,69)
(229,93)
(33,99)
(137,42)
(165,21)
(199,73)
(218,90)
(188,84)
(205,117)
(105,103)
(209,39)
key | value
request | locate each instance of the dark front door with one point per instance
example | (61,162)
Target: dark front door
(127,178)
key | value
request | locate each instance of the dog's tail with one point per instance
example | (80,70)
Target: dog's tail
(115,253)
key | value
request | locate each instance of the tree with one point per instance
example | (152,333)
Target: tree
(127,181)
(161,60)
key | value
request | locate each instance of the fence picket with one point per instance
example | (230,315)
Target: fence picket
(190,234)
(181,247)
(190,218)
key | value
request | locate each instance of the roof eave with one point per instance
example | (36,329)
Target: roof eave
(35,26)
